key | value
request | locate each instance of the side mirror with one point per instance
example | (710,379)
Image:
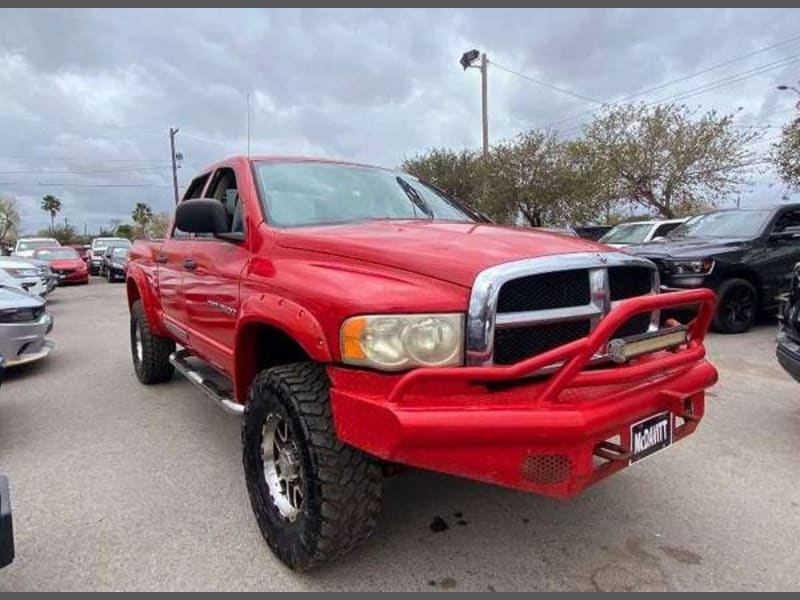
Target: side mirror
(201,215)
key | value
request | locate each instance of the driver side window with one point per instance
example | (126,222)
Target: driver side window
(223,188)
(788,222)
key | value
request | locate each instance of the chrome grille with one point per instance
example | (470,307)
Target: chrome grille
(521,309)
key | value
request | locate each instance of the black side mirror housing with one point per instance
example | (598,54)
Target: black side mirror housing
(201,215)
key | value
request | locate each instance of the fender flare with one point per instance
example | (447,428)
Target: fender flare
(143,285)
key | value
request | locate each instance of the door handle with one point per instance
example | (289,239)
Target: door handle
(189,264)
(161,257)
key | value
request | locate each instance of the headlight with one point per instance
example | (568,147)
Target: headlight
(394,342)
(692,267)
(20,273)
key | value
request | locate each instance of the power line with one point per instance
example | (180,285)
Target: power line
(680,79)
(92,171)
(547,85)
(89,160)
(707,87)
(73,184)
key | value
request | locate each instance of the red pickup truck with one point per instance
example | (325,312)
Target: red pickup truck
(358,318)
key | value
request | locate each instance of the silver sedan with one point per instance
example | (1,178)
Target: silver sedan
(24,325)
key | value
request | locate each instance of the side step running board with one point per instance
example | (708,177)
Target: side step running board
(221,396)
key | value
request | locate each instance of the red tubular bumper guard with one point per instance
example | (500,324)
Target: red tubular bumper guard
(553,435)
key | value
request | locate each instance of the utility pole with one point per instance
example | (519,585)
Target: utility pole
(172,132)
(484,100)
(467,60)
(248,124)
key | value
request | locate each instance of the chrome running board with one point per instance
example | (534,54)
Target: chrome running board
(203,377)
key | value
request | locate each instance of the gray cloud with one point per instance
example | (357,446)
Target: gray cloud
(88,95)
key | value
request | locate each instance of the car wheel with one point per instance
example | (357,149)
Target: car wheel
(737,306)
(314,497)
(150,352)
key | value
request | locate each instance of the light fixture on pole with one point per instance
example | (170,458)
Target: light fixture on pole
(467,62)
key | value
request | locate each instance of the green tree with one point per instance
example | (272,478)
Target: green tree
(65,233)
(141,215)
(458,173)
(51,205)
(10,220)
(667,159)
(126,230)
(787,154)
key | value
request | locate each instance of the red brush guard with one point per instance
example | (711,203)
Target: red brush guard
(552,434)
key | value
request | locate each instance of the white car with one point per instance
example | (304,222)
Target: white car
(638,232)
(25,247)
(24,275)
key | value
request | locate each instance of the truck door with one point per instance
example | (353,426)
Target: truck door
(211,278)
(171,268)
(783,251)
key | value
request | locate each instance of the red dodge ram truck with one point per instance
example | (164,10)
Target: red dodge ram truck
(358,318)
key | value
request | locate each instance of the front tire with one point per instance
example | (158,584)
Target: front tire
(314,497)
(150,352)
(738,306)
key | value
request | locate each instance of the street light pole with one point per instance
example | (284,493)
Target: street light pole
(172,132)
(484,102)
(467,60)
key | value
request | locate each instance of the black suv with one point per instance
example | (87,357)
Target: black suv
(745,255)
(789,329)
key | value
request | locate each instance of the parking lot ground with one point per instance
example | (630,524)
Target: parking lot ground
(120,486)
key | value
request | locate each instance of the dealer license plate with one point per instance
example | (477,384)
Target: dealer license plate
(650,435)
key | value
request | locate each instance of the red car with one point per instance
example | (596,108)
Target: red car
(356,317)
(66,263)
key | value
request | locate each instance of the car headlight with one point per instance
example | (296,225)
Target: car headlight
(394,342)
(702,266)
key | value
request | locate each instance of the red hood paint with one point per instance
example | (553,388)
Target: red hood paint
(452,252)
(66,263)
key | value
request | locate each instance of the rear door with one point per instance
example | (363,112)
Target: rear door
(211,279)
(781,254)
(171,260)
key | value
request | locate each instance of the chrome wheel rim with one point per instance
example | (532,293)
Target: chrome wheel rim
(283,471)
(137,342)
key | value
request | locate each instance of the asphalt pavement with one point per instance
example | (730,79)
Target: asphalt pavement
(117,486)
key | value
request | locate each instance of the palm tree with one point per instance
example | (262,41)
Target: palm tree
(52,205)
(141,215)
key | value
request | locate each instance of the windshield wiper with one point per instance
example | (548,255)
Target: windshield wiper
(415,198)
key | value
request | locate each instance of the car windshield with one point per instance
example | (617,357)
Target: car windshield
(313,193)
(627,233)
(119,253)
(56,253)
(34,244)
(723,224)
(100,243)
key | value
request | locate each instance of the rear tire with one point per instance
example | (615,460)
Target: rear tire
(150,352)
(737,307)
(314,497)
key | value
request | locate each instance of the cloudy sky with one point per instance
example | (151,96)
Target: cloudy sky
(87,96)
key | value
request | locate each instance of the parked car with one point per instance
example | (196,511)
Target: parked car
(354,316)
(745,255)
(115,265)
(99,246)
(25,275)
(6,524)
(83,250)
(65,262)
(25,247)
(24,325)
(638,232)
(788,349)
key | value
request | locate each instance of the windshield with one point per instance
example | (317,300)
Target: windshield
(106,242)
(312,193)
(34,244)
(723,224)
(56,253)
(627,233)
(119,253)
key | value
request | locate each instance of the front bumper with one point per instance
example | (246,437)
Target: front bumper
(74,277)
(22,343)
(554,434)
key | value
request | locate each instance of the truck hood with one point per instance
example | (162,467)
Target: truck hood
(448,251)
(687,247)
